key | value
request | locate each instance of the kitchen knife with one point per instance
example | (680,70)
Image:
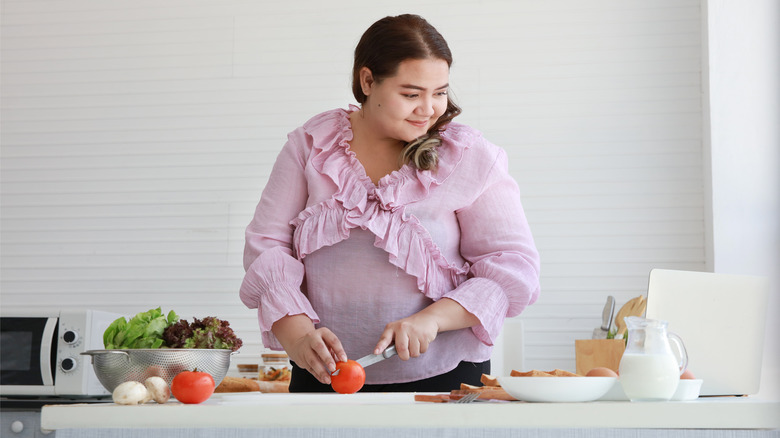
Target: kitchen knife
(606,319)
(374,358)
(611,316)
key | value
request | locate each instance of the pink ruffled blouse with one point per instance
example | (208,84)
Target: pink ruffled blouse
(353,256)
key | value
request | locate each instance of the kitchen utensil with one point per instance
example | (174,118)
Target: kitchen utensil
(468,398)
(371,359)
(634,307)
(611,301)
(606,319)
(113,367)
(640,308)
(649,370)
(374,358)
(595,353)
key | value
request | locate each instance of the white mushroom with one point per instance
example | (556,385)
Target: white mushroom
(131,393)
(158,388)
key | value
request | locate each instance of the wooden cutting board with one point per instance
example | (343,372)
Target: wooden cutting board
(592,353)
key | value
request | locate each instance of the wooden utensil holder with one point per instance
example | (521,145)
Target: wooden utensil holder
(592,353)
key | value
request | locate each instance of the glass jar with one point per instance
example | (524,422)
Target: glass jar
(248,370)
(275,367)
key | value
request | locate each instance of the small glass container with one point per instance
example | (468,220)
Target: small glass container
(275,367)
(248,370)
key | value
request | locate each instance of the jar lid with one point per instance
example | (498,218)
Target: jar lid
(275,356)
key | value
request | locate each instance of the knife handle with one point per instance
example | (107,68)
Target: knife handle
(389,352)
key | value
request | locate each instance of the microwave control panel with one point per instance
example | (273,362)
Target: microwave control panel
(79,331)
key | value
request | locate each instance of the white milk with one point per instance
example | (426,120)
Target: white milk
(647,377)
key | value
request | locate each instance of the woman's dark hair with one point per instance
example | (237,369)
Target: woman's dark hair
(381,49)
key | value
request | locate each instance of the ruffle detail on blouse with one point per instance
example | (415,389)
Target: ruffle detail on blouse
(409,184)
(406,241)
(331,133)
(357,202)
(320,225)
(412,249)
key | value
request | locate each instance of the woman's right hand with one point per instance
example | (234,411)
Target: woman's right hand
(317,352)
(313,349)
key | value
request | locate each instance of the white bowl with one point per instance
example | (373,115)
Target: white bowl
(615,393)
(687,389)
(557,389)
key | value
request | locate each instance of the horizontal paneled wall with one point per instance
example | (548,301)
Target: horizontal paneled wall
(137,137)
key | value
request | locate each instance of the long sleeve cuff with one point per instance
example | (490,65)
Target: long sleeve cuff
(272,286)
(485,299)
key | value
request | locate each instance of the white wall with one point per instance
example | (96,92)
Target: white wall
(744,110)
(137,136)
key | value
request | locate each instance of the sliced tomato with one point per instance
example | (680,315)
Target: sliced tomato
(348,378)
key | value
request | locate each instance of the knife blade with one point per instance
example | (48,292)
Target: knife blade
(606,319)
(611,322)
(374,358)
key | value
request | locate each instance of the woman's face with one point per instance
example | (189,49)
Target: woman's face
(405,106)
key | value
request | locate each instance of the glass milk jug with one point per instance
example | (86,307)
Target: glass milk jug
(649,370)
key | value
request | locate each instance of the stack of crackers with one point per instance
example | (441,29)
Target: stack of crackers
(491,389)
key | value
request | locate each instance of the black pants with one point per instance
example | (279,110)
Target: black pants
(465,372)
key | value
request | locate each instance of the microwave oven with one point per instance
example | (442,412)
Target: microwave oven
(40,352)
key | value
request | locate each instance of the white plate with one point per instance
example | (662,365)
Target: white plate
(557,389)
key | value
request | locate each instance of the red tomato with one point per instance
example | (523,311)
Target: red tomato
(192,387)
(348,378)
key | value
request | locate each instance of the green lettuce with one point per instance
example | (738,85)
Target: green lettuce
(144,330)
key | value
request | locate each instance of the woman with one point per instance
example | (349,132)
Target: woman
(390,224)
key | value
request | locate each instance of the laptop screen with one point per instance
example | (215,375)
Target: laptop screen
(721,319)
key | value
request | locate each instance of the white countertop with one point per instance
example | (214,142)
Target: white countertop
(260,410)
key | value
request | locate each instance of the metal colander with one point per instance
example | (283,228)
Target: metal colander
(113,367)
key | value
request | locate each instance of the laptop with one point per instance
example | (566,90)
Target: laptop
(721,319)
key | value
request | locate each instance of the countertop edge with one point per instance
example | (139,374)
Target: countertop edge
(698,414)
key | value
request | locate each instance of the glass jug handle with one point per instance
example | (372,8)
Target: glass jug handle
(682,353)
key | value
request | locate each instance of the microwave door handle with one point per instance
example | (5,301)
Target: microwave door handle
(46,345)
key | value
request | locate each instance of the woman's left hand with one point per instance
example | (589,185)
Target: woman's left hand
(411,335)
